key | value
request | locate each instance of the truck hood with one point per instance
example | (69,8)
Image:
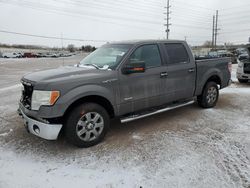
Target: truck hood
(63,73)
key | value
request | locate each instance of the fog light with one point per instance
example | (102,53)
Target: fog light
(36,129)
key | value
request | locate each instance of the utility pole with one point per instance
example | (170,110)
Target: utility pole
(167,19)
(62,46)
(216,29)
(213,32)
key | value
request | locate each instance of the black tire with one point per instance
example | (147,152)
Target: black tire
(242,81)
(75,116)
(209,96)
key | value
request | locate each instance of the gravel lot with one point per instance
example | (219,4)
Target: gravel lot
(186,147)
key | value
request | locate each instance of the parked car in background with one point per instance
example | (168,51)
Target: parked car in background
(127,80)
(11,55)
(223,53)
(40,55)
(20,54)
(243,70)
(213,54)
(29,55)
(240,51)
(49,55)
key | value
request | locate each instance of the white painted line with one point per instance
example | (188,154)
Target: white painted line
(10,87)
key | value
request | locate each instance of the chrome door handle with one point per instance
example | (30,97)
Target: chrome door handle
(164,74)
(191,70)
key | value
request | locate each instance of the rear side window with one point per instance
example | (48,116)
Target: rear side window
(177,53)
(149,54)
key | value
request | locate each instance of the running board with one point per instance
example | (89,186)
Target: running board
(135,117)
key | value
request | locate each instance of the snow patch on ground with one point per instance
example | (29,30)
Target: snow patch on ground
(136,137)
(29,173)
(6,133)
(10,88)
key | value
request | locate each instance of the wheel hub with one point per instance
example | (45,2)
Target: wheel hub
(90,125)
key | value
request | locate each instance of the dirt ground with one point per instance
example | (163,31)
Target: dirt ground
(186,147)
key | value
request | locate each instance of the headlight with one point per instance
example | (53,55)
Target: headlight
(40,98)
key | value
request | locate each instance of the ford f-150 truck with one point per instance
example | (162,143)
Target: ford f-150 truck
(243,70)
(128,80)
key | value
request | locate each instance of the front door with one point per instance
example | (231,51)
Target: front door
(142,90)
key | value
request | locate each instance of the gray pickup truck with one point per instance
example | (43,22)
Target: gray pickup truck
(128,80)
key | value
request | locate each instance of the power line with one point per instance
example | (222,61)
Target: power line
(192,5)
(233,13)
(129,19)
(192,14)
(236,31)
(185,19)
(237,17)
(242,21)
(191,26)
(230,8)
(95,18)
(51,37)
(190,9)
(116,7)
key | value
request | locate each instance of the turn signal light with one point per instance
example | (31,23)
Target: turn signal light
(54,96)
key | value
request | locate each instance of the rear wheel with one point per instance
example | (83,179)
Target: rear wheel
(87,125)
(242,81)
(209,96)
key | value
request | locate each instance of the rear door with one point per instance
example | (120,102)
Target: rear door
(181,71)
(142,90)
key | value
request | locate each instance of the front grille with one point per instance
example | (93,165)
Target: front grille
(247,68)
(26,95)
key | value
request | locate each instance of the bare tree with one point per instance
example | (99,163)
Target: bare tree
(71,48)
(207,44)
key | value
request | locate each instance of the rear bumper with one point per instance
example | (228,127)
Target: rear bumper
(40,129)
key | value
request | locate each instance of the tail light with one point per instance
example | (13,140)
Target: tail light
(230,67)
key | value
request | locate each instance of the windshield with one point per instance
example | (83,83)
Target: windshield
(106,57)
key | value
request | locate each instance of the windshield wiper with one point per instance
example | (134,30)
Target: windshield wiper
(93,65)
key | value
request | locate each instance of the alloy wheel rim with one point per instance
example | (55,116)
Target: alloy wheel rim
(90,126)
(212,95)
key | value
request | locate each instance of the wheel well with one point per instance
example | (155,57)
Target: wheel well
(215,79)
(95,99)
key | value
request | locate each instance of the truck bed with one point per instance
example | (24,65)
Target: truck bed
(206,67)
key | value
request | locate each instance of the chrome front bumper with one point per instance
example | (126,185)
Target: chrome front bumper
(40,129)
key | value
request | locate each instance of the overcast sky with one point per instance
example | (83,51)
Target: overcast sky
(108,20)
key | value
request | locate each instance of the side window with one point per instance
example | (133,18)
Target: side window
(149,54)
(176,53)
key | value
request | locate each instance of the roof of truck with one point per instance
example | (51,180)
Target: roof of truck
(144,41)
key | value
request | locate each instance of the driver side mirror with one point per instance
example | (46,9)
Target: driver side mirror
(135,67)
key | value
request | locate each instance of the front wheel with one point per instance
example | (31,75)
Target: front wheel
(209,96)
(86,125)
